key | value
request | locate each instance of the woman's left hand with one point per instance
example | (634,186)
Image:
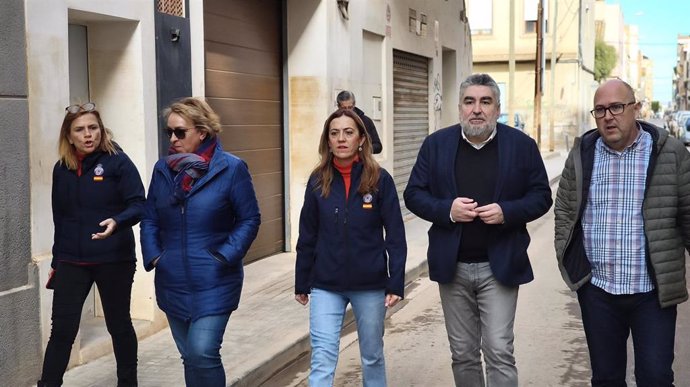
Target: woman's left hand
(109,225)
(391,300)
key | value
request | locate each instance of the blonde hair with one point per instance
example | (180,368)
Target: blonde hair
(324,169)
(68,153)
(197,111)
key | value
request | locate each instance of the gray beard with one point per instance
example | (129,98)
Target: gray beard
(478,131)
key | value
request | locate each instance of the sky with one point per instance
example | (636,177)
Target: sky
(659,22)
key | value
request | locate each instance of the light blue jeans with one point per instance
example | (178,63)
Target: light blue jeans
(326,316)
(199,344)
(480,313)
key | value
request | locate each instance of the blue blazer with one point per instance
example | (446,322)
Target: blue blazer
(522,191)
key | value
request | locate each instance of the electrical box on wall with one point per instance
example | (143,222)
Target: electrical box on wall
(377,106)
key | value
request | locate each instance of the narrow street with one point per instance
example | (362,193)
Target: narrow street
(550,345)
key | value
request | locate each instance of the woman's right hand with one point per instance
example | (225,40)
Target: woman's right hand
(302,298)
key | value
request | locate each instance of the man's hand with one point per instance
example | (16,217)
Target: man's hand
(463,210)
(109,225)
(490,213)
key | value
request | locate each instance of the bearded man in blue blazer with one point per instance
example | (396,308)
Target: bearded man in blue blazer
(479,182)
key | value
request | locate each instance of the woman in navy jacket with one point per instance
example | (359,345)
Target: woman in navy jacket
(201,217)
(342,254)
(97,197)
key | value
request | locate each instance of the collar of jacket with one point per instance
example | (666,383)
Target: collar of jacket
(90,160)
(659,136)
(218,163)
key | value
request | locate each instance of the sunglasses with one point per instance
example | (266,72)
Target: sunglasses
(87,107)
(180,133)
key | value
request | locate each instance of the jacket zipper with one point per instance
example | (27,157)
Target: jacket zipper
(185,258)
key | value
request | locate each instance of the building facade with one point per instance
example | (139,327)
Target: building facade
(681,79)
(631,65)
(270,68)
(568,92)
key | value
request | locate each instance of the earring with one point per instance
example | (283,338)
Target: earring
(360,148)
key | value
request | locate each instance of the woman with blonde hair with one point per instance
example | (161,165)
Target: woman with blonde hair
(201,217)
(97,197)
(343,255)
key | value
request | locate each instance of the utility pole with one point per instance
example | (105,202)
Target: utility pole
(511,65)
(538,89)
(552,86)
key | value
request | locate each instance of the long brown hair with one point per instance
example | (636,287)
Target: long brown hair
(324,169)
(67,151)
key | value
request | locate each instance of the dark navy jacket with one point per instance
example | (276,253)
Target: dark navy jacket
(376,146)
(341,244)
(522,192)
(109,187)
(201,242)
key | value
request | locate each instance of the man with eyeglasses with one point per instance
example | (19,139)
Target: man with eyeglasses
(622,227)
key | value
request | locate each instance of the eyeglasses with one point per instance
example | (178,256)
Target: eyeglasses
(180,133)
(615,109)
(87,107)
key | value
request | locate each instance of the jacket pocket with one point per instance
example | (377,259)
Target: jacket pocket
(157,261)
(218,257)
(575,259)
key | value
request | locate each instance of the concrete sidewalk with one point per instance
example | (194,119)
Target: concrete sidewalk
(268,331)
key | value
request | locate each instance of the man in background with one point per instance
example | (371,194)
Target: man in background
(346,100)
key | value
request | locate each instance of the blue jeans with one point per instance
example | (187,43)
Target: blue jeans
(479,314)
(608,320)
(325,323)
(199,344)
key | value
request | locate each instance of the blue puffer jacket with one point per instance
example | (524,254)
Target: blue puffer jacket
(201,242)
(109,187)
(341,244)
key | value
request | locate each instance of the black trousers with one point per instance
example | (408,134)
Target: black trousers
(72,285)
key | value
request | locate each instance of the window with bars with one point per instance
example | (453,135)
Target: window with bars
(171,7)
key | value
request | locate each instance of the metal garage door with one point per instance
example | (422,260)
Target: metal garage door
(410,115)
(243,84)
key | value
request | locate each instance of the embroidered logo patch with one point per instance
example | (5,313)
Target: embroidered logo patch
(98,171)
(367,201)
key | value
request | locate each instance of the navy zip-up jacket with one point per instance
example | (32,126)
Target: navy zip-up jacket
(109,187)
(341,244)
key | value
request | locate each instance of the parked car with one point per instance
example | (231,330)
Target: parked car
(519,120)
(676,124)
(685,131)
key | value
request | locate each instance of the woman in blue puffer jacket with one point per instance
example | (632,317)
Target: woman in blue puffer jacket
(201,217)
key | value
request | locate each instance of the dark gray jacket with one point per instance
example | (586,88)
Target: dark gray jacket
(666,212)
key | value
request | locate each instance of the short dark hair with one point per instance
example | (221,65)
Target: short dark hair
(345,95)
